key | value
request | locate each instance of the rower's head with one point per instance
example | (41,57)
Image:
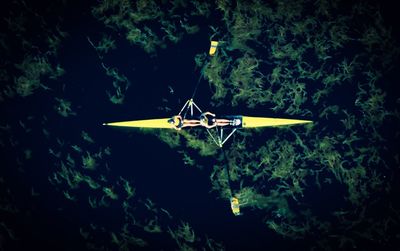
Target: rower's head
(203,120)
(174,120)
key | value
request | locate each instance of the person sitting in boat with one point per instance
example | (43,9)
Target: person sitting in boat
(208,120)
(178,122)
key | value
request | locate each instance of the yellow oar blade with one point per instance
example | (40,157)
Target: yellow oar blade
(213,48)
(235,206)
(248,122)
(147,123)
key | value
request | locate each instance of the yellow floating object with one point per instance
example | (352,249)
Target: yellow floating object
(146,123)
(235,206)
(213,48)
(248,122)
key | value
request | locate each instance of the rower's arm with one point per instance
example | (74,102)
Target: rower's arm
(210,126)
(209,113)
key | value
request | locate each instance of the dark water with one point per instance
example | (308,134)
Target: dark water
(36,212)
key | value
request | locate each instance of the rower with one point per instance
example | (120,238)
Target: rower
(208,120)
(178,122)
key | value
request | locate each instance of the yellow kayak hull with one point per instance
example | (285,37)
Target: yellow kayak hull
(146,123)
(250,122)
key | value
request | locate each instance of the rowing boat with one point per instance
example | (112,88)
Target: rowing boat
(238,120)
